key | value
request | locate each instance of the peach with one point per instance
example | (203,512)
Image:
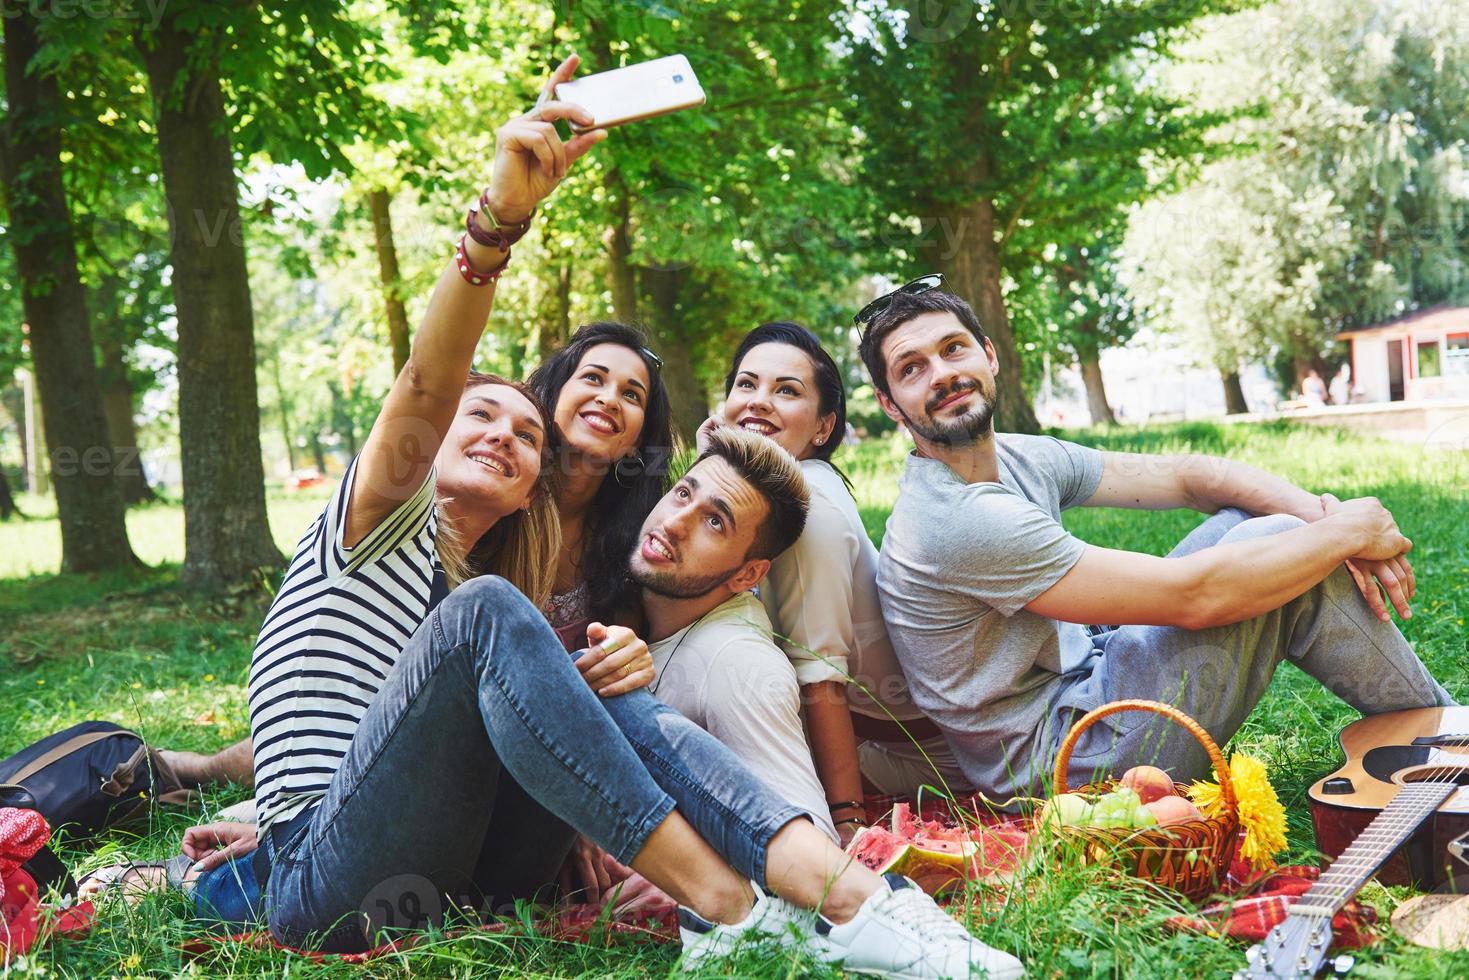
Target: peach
(1149,782)
(1171,810)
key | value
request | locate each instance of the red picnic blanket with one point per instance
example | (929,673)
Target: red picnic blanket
(23,921)
(1259,902)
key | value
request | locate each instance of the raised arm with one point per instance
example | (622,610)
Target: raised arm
(530,160)
(1203,483)
(1224,584)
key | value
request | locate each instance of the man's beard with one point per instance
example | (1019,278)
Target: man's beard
(970,427)
(670,585)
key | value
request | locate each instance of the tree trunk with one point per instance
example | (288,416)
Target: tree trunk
(690,401)
(317,453)
(38,469)
(342,419)
(283,408)
(226,531)
(14,399)
(93,519)
(387,266)
(554,333)
(622,281)
(117,404)
(960,243)
(1096,391)
(1234,393)
(8,507)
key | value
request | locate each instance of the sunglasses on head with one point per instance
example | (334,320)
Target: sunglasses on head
(920,285)
(657,361)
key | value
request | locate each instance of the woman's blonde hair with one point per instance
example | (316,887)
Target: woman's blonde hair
(522,547)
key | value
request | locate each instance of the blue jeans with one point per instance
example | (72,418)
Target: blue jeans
(481,756)
(1218,675)
(228,895)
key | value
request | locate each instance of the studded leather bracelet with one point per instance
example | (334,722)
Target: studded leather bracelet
(469,273)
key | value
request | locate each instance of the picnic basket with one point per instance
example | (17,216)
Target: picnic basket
(1191,858)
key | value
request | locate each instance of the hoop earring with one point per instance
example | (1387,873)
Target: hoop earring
(627,469)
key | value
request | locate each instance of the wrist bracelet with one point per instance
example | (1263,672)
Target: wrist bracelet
(502,235)
(857,820)
(472,275)
(847,805)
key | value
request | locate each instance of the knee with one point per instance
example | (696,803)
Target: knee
(484,600)
(487,590)
(1261,527)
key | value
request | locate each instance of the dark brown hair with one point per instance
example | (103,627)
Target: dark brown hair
(905,307)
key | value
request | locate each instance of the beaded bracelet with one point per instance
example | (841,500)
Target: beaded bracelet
(469,274)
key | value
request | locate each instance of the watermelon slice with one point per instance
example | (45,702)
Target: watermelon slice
(903,823)
(938,857)
(933,870)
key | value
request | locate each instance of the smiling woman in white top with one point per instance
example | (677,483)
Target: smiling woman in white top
(821,594)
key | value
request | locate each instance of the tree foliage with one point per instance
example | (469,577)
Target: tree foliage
(1353,204)
(988,124)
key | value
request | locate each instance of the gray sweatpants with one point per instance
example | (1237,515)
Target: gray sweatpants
(1217,675)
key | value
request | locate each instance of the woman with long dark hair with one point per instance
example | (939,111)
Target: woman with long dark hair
(821,593)
(612,443)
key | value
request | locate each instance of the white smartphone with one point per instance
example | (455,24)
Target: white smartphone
(637,92)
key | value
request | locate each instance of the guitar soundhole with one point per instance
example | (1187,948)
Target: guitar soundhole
(1387,762)
(1458,775)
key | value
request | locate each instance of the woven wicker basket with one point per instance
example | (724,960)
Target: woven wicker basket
(1190,858)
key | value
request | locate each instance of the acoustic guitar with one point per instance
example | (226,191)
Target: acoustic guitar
(1392,810)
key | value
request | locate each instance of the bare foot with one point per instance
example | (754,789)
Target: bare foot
(190,767)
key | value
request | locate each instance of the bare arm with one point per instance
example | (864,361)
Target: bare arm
(1224,584)
(1210,483)
(530,161)
(1203,483)
(834,750)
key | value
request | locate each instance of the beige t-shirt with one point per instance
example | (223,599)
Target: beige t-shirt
(724,673)
(821,595)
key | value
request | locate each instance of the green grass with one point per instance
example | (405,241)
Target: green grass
(133,649)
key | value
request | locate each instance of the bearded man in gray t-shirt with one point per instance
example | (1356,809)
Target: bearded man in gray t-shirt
(989,600)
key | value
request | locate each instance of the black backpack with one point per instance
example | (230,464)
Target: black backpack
(89,777)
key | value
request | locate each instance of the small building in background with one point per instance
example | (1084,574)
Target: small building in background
(1422,356)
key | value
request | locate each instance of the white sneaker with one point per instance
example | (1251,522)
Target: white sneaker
(901,932)
(770,916)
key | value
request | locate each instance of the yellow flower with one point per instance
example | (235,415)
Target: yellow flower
(1260,814)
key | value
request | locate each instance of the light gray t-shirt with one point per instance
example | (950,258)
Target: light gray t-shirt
(959,563)
(724,673)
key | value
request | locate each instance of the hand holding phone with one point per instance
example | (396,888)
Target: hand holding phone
(531,158)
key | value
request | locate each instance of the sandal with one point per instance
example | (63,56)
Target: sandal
(132,883)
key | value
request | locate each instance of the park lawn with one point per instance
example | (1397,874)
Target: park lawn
(133,649)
